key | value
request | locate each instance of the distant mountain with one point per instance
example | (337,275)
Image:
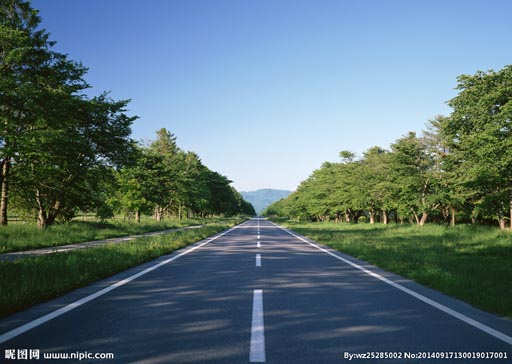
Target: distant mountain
(263,198)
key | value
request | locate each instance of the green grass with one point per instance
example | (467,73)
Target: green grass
(472,263)
(18,236)
(26,282)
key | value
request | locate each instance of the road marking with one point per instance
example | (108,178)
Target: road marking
(258,260)
(257,353)
(258,236)
(50,316)
(489,330)
(259,244)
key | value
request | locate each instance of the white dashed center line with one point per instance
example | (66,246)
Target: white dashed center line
(257,354)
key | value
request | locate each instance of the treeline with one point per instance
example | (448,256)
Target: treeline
(458,170)
(63,152)
(164,180)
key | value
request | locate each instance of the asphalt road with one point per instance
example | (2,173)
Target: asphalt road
(248,297)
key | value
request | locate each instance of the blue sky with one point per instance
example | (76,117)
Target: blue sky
(266,90)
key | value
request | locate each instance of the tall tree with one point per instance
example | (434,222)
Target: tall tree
(60,169)
(35,85)
(169,174)
(375,183)
(415,188)
(194,191)
(138,185)
(451,194)
(480,132)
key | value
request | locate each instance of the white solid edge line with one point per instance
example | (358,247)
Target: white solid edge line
(257,352)
(489,330)
(258,260)
(50,316)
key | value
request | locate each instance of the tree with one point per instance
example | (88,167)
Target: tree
(416,185)
(169,173)
(375,183)
(62,168)
(221,201)
(173,182)
(480,134)
(61,151)
(451,195)
(246,208)
(347,195)
(35,84)
(194,191)
(136,185)
(347,156)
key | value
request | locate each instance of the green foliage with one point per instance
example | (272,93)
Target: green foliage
(66,167)
(170,181)
(459,169)
(36,87)
(480,134)
(62,152)
(56,144)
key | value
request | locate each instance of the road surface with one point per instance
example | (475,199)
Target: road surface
(257,293)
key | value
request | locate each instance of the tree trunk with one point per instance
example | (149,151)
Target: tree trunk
(41,215)
(51,218)
(384,217)
(424,218)
(501,220)
(41,219)
(501,217)
(510,209)
(158,213)
(452,213)
(46,219)
(4,195)
(347,216)
(137,216)
(372,216)
(416,217)
(510,215)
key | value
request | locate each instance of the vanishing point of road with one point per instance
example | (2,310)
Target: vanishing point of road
(258,293)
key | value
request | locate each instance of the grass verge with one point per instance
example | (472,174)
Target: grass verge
(471,263)
(26,282)
(18,237)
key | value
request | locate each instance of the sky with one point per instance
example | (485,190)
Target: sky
(265,91)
